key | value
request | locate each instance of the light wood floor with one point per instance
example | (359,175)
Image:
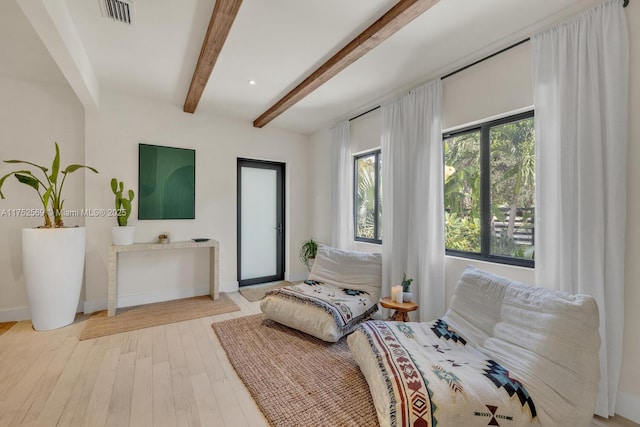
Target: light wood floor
(169,375)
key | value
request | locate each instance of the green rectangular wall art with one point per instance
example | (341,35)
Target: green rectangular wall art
(166,182)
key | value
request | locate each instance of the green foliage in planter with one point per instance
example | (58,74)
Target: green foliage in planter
(406,283)
(49,188)
(308,251)
(123,205)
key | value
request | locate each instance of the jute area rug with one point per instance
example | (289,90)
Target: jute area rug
(256,293)
(160,313)
(296,379)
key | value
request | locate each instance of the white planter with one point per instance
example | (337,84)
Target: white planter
(123,235)
(53,265)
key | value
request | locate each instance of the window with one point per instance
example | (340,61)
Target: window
(368,197)
(489,180)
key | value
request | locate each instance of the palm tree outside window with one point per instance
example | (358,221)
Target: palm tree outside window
(489,180)
(368,197)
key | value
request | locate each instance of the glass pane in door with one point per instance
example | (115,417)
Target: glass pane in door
(258,223)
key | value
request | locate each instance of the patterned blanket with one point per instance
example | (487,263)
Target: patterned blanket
(347,306)
(433,378)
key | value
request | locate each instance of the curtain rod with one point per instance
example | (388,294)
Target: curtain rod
(365,113)
(458,71)
(446,76)
(625,4)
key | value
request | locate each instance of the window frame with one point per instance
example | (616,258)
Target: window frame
(376,231)
(484,129)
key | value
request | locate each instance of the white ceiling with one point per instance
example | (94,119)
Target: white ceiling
(22,54)
(277,43)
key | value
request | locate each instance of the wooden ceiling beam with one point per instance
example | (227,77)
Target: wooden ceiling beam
(224,13)
(397,17)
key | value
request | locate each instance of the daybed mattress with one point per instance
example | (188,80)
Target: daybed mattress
(425,374)
(319,309)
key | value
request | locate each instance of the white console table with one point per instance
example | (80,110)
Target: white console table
(114,250)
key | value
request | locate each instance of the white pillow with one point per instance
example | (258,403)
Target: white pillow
(348,269)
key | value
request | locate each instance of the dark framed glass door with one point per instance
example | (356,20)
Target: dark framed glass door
(260,221)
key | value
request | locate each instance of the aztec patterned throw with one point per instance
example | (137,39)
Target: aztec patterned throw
(348,307)
(434,378)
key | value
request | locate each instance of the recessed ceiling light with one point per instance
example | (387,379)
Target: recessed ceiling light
(252,82)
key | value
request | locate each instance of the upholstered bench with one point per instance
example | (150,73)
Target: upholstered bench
(342,291)
(504,353)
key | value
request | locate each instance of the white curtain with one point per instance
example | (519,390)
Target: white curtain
(341,187)
(413,197)
(581,82)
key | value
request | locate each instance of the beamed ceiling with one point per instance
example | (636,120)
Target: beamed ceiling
(314,63)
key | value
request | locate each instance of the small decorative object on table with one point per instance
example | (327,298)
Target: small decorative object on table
(200,239)
(163,238)
(396,294)
(407,296)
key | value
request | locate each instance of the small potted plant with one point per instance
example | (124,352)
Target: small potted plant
(123,234)
(407,296)
(308,252)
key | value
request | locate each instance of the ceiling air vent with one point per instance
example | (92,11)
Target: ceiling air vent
(118,10)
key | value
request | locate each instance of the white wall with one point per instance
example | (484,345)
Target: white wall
(497,86)
(112,140)
(32,117)
(320,187)
(40,114)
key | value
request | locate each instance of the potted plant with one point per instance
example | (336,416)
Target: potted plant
(122,234)
(52,254)
(407,296)
(308,251)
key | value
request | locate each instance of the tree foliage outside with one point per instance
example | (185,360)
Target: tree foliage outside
(512,199)
(513,187)
(462,232)
(462,192)
(365,204)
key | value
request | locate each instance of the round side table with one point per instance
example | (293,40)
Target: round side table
(402,309)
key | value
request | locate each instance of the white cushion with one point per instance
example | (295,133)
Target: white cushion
(361,271)
(548,339)
(551,340)
(304,317)
(475,306)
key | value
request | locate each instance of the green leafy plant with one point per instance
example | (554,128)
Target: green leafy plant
(406,283)
(308,251)
(462,232)
(49,188)
(123,204)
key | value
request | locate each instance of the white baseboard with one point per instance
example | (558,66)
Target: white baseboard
(231,286)
(23,313)
(148,298)
(15,314)
(91,306)
(628,406)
